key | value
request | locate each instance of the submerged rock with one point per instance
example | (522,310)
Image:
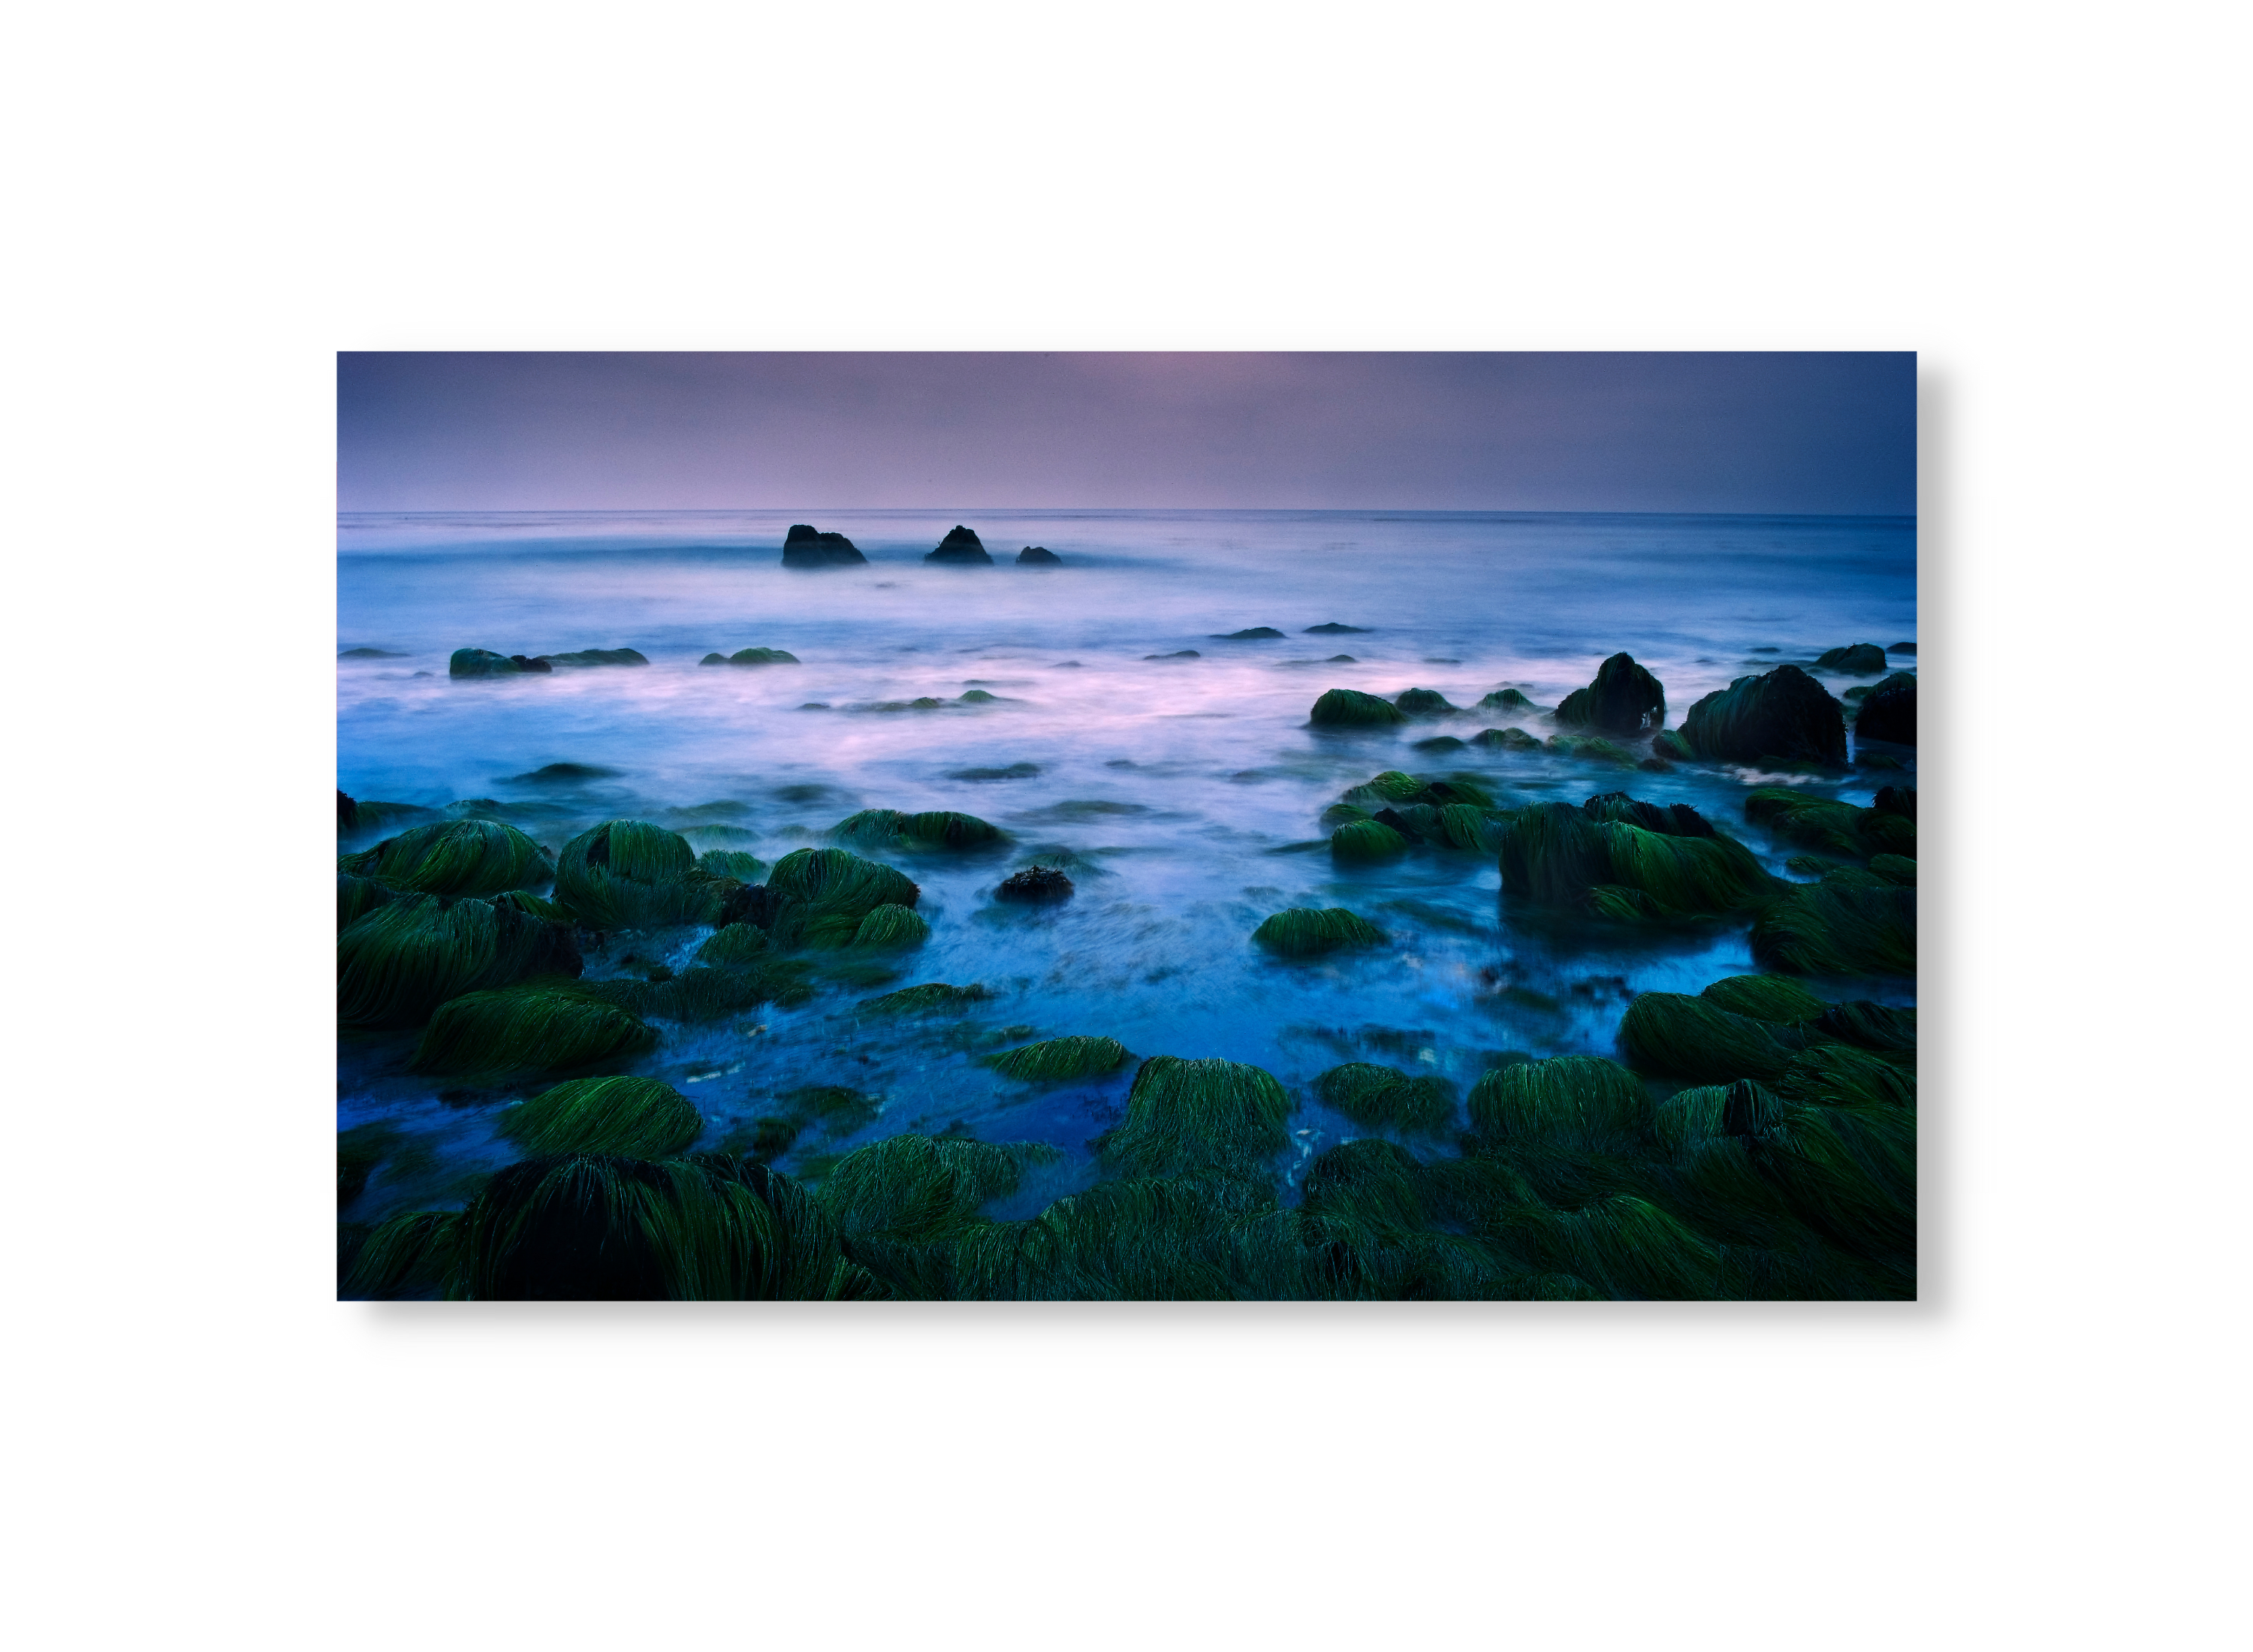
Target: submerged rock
(1506,740)
(1860,659)
(1013,771)
(960,548)
(1255,634)
(1624,700)
(1185,653)
(1306,931)
(751,656)
(1386,1099)
(1423,703)
(1902,648)
(1889,713)
(1333,628)
(1351,709)
(1785,715)
(369,653)
(1058,1058)
(1034,885)
(1184,1116)
(564,774)
(806,547)
(1038,556)
(1440,742)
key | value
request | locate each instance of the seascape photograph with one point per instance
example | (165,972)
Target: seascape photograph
(761,878)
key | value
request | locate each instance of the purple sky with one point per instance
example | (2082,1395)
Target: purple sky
(1768,432)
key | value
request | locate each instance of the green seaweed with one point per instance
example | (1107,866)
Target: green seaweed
(637,1116)
(1506,740)
(411,1255)
(823,894)
(743,867)
(632,874)
(1060,1058)
(1824,929)
(597,656)
(1508,700)
(1894,868)
(1304,932)
(1692,1038)
(924,1188)
(1187,1116)
(734,944)
(1571,1101)
(398,963)
(1351,709)
(358,897)
(1768,998)
(1670,744)
(455,858)
(1386,1099)
(702,994)
(890,925)
(1423,703)
(931,998)
(1366,840)
(359,1150)
(1555,855)
(759,656)
(520,1030)
(1872,1025)
(1783,717)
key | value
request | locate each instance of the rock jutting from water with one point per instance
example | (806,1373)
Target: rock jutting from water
(1785,715)
(1860,659)
(1034,885)
(1889,711)
(483,662)
(597,656)
(1423,703)
(960,548)
(751,656)
(1333,628)
(1252,634)
(1038,556)
(808,547)
(1351,709)
(1624,700)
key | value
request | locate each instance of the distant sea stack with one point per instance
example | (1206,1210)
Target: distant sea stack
(1038,556)
(806,546)
(960,547)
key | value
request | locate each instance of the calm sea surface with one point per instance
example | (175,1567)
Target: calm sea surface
(1186,791)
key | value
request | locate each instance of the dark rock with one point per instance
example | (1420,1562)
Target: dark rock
(1900,800)
(1036,884)
(1423,703)
(1508,700)
(524,664)
(1668,744)
(806,546)
(1333,628)
(1862,660)
(1786,715)
(1256,634)
(369,653)
(1889,713)
(960,548)
(347,812)
(1340,659)
(1351,709)
(1766,648)
(1902,648)
(1506,740)
(482,662)
(1624,700)
(752,903)
(1186,653)
(1439,742)
(1038,556)
(564,774)
(1392,818)
(599,657)
(1014,771)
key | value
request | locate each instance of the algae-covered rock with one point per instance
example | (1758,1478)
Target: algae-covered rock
(1903,648)
(891,926)
(1784,716)
(482,662)
(453,858)
(1439,744)
(1010,772)
(520,1029)
(806,546)
(413,1254)
(1306,931)
(1508,700)
(1506,740)
(1367,841)
(1423,703)
(1060,1058)
(739,864)
(1673,819)
(1386,1099)
(1768,998)
(1861,659)
(1589,747)
(637,1116)
(1669,743)
(1333,628)
(1696,1039)
(1555,855)
(347,812)
(1568,1101)
(606,1227)
(1871,1026)
(934,828)
(358,897)
(1889,713)
(1894,868)
(960,548)
(1253,634)
(399,961)
(586,656)
(1827,823)
(1826,929)
(1038,556)
(1625,698)
(759,656)
(1185,1116)
(734,944)
(1351,709)
(1179,653)
(933,998)
(820,897)
(916,1188)
(1900,800)
(632,874)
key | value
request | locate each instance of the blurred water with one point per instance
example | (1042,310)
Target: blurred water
(1186,788)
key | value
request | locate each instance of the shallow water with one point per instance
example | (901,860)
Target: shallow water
(1187,792)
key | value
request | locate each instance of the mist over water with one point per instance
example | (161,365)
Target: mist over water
(1186,792)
